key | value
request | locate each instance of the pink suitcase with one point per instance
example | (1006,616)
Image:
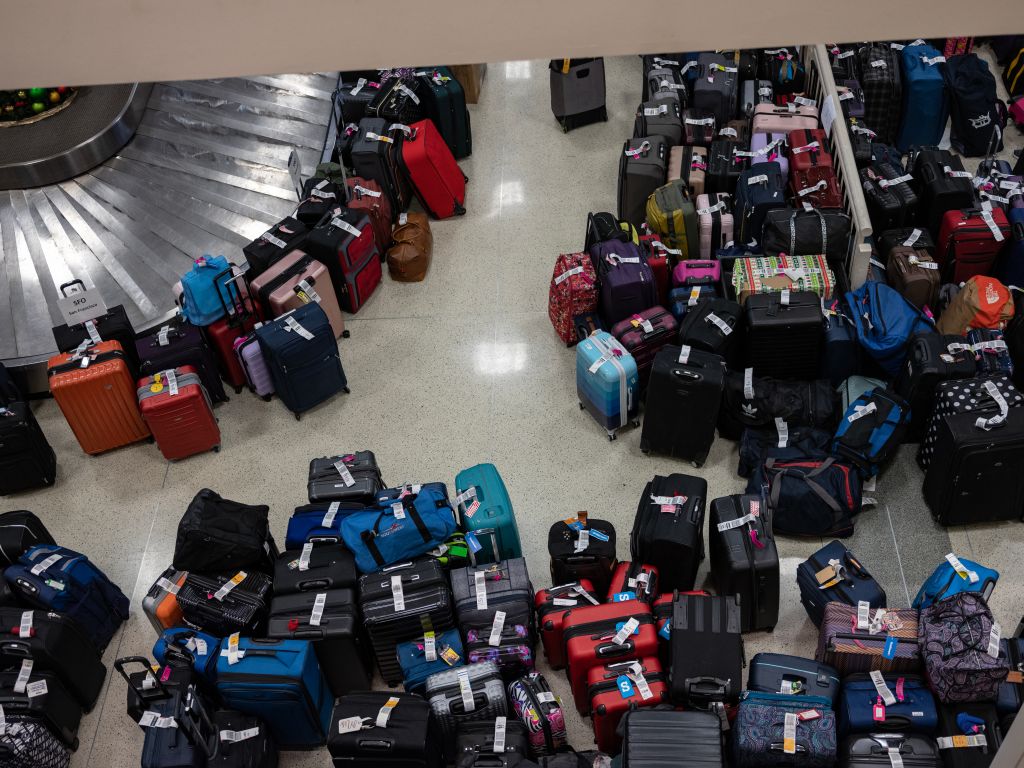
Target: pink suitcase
(769,148)
(769,118)
(694,272)
(714,212)
(296,279)
(250,357)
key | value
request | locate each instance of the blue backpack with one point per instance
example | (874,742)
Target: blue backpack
(872,428)
(945,582)
(398,530)
(885,322)
(201,300)
(413,660)
(198,647)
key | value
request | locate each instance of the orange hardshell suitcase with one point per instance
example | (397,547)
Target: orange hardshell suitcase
(161,602)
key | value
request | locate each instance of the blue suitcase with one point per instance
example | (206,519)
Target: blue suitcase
(681,299)
(856,584)
(487,510)
(946,582)
(307,523)
(301,353)
(913,711)
(607,381)
(1011,694)
(792,675)
(279,681)
(841,356)
(925,100)
(760,189)
(413,660)
(200,648)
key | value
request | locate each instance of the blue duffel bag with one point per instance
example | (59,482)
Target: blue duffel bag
(946,582)
(398,530)
(202,303)
(871,430)
(319,522)
(914,709)
(198,647)
(812,497)
(885,323)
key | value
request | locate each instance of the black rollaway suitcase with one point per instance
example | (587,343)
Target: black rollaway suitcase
(355,92)
(409,740)
(26,458)
(350,477)
(726,161)
(238,746)
(375,157)
(783,340)
(219,606)
(979,752)
(931,358)
(475,742)
(683,397)
(716,86)
(114,325)
(328,566)
(657,738)
(938,189)
(20,530)
(577,92)
(397,101)
(873,751)
(668,529)
(643,167)
(444,102)
(715,326)
(424,597)
(908,237)
(663,117)
(278,241)
(742,567)
(594,563)
(707,650)
(778,673)
(45,698)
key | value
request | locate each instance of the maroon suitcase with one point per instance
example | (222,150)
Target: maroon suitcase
(643,335)
(431,167)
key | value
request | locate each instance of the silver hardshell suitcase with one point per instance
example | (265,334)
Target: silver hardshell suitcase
(466,694)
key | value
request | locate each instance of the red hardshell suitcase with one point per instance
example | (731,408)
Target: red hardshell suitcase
(178,411)
(640,579)
(590,634)
(968,242)
(808,149)
(817,186)
(242,316)
(551,606)
(658,260)
(611,697)
(366,195)
(433,170)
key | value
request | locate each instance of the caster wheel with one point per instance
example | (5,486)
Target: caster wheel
(151,440)
(581,406)
(565,129)
(238,390)
(347,391)
(636,422)
(216,449)
(267,398)
(697,464)
(770,629)
(645,451)
(611,437)
(346,334)
(298,416)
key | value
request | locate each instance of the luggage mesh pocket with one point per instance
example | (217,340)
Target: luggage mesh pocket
(28,743)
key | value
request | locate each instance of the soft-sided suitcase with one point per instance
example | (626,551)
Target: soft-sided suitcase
(931,358)
(942,185)
(366,195)
(762,721)
(427,655)
(840,355)
(716,86)
(220,604)
(409,738)
(698,127)
(177,409)
(642,335)
(760,189)
(464,695)
(707,650)
(970,240)
(784,334)
(850,646)
(643,167)
(96,394)
(991,355)
(607,381)
(621,687)
(397,100)
(846,580)
(540,712)
(682,300)
(1011,692)
(47,699)
(432,170)
(577,92)
(573,292)
(667,529)
(714,326)
(444,102)
(914,273)
(862,709)
(551,605)
(925,101)
(27,742)
(375,157)
(349,477)
(872,750)
(242,741)
(792,675)
(657,737)
(715,217)
(318,197)
(322,568)
(499,742)
(663,117)
(486,511)
(975,748)
(627,284)
(176,344)
(295,279)
(218,533)
(26,458)
(284,237)
(744,559)
(575,557)
(818,188)
(345,245)
(726,161)
(880,78)
(683,397)
(671,214)
(20,530)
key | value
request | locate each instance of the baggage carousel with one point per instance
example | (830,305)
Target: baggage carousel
(129,183)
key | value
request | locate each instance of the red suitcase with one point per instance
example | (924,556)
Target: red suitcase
(817,186)
(178,411)
(612,696)
(643,335)
(968,244)
(366,195)
(590,633)
(658,259)
(640,579)
(433,171)
(346,245)
(808,149)
(552,605)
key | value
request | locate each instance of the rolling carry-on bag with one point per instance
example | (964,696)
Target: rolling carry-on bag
(633,581)
(540,712)
(834,574)
(871,430)
(242,741)
(464,695)
(621,687)
(656,737)
(444,101)
(872,750)
(714,326)
(968,735)
(495,743)
(355,92)
(808,151)
(486,508)
(883,93)
(707,650)
(409,737)
(970,240)
(350,477)
(941,184)
(671,214)
(840,354)
(908,237)
(726,161)
(885,206)
(607,381)
(42,696)
(642,335)
(715,89)
(822,193)
(177,409)
(769,118)
(220,604)
(282,238)
(715,218)
(345,245)
(784,334)
(744,559)
(682,300)
(575,556)
(1011,692)
(760,189)
(432,170)
(752,93)
(946,581)
(794,676)
(643,167)
(663,117)
(690,165)
(909,706)
(698,127)
(27,742)
(217,533)
(667,529)
(429,654)
(627,285)
(551,605)
(366,195)
(20,530)
(96,394)
(573,292)
(760,731)
(26,459)
(295,279)
(925,99)
(322,568)
(224,336)
(177,344)
(375,157)
(849,645)
(771,148)
(113,325)
(683,398)
(851,98)
(914,273)
(577,92)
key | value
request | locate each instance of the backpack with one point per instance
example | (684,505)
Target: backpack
(946,581)
(871,430)
(982,302)
(885,322)
(812,497)
(673,216)
(201,300)
(977,121)
(604,226)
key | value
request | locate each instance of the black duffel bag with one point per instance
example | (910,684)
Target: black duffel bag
(218,535)
(798,403)
(806,233)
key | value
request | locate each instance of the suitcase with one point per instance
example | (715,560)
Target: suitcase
(862,710)
(217,533)
(225,333)
(683,398)
(822,193)
(682,300)
(20,530)
(296,279)
(487,509)
(694,272)
(355,92)
(872,751)
(939,190)
(621,687)
(329,619)
(761,721)
(744,559)
(752,93)
(186,653)
(653,738)
(239,608)
(114,325)
(643,167)
(851,99)
(925,98)
(880,78)
(667,529)
(410,737)
(552,604)
(52,704)
(577,92)
(699,127)
(716,86)
(177,409)
(254,367)
(590,636)
(367,196)
(642,335)
(357,479)
(304,365)
(884,207)
(1010,264)
(851,585)
(444,102)
(627,284)
(671,214)
(657,255)
(707,650)
(318,197)
(27,742)
(26,459)
(666,80)
(397,100)
(784,334)
(324,567)
(840,357)
(375,157)
(898,183)
(908,237)
(759,190)
(860,140)
(607,382)
(633,581)
(540,712)
(477,743)
(96,394)
(913,273)
(771,148)
(1011,692)
(242,741)
(760,275)
(969,242)
(465,695)
(663,117)
(573,291)
(425,596)
(725,164)
(177,344)
(593,562)
(792,675)
(689,164)
(417,668)
(714,214)
(346,246)
(282,238)
(808,150)
(847,647)
(991,354)
(931,358)
(705,328)
(975,750)
(432,170)
(769,118)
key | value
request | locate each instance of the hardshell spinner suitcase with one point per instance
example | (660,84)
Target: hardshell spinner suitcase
(784,338)
(941,184)
(820,582)
(98,397)
(642,169)
(778,673)
(872,751)
(667,529)
(161,602)
(177,344)
(222,604)
(689,164)
(698,127)
(633,581)
(744,559)
(350,477)
(707,650)
(465,694)
(577,92)
(769,118)
(969,241)
(432,170)
(366,195)
(627,284)
(487,509)
(847,647)
(752,93)
(771,148)
(375,157)
(552,604)
(657,737)
(250,359)
(410,739)
(670,212)
(355,92)
(177,409)
(714,214)
(346,246)
(683,398)
(618,688)
(295,279)
(476,744)
(112,326)
(607,381)
(643,335)
(931,359)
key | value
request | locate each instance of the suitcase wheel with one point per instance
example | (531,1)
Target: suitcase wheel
(346,390)
(611,436)
(298,416)
(697,464)
(267,398)
(238,390)
(581,406)
(636,422)
(459,210)
(216,449)
(346,334)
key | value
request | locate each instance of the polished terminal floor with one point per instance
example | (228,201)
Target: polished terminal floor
(460,369)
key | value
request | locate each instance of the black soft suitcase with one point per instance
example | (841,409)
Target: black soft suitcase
(793,675)
(444,102)
(319,197)
(26,459)
(683,397)
(707,650)
(659,738)
(397,101)
(726,161)
(56,643)
(355,92)
(937,189)
(908,237)
(330,620)
(931,358)
(668,529)
(663,117)
(210,605)
(114,325)
(409,740)
(184,746)
(595,563)
(873,751)
(51,703)
(979,756)
(715,89)
(327,567)
(20,530)
(351,477)
(475,742)
(784,340)
(716,326)
(238,746)
(643,167)
(280,240)
(742,567)
(375,157)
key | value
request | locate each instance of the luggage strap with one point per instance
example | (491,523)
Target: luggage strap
(792,232)
(369,537)
(776,487)
(608,356)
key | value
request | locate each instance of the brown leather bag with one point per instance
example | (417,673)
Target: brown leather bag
(409,257)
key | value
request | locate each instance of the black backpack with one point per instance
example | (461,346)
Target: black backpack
(978,116)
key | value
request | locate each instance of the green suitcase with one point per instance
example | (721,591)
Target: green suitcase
(486,512)
(446,106)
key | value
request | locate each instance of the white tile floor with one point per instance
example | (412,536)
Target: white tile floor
(459,369)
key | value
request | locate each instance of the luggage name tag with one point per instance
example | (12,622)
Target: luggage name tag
(233,736)
(41,566)
(823,184)
(783,430)
(307,292)
(655,111)
(885,183)
(368,192)
(960,741)
(567,274)
(830,575)
(670,505)
(728,131)
(684,354)
(359,86)
(229,585)
(153,719)
(430,646)
(621,597)
(25,629)
(846,95)
(398,510)
(699,121)
(748,383)
(23,675)
(586,595)
(993,640)
(718,322)
(481,591)
(397,595)
(329,516)
(931,62)
(638,322)
(318,609)
(808,714)
(628,628)
(634,153)
(860,411)
(789,733)
(90,328)
(1015,677)
(473,542)
(385,712)
(293,325)
(307,550)
(37,688)
(806,147)
(449,656)
(352,724)
(889,651)
(499,734)
(172,382)
(466,690)
(883,690)
(790,687)
(582,541)
(625,686)
(371,136)
(960,568)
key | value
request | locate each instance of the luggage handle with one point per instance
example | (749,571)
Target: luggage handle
(706,685)
(613,649)
(121,664)
(65,286)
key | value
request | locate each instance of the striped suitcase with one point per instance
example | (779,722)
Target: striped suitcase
(843,644)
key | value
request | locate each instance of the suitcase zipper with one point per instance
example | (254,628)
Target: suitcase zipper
(597,628)
(103,357)
(610,685)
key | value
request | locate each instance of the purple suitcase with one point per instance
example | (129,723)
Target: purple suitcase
(179,343)
(776,154)
(250,357)
(627,282)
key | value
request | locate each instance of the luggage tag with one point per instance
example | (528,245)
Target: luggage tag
(986,216)
(161,337)
(782,428)
(353,724)
(931,62)
(292,324)
(761,178)
(955,174)
(398,510)
(748,383)
(567,274)
(397,595)
(273,239)
(861,411)
(638,322)
(481,591)
(371,136)
(669,504)
(789,733)
(44,564)
(625,686)
(879,64)
(621,597)
(961,569)
(889,651)
(625,629)
(359,86)
(885,183)
(699,121)
(718,322)
(895,758)
(499,734)
(307,550)
(863,615)
(23,675)
(229,585)
(666,631)
(449,656)
(806,148)
(711,209)
(634,153)
(430,646)
(960,741)
(306,292)
(585,595)
(823,184)
(655,111)
(684,354)
(3,722)
(728,131)
(368,192)
(803,101)
(346,475)
(494,640)
(318,609)
(993,640)
(473,542)
(466,690)
(90,328)
(329,516)
(883,690)
(25,629)
(233,736)
(153,719)
(846,95)
(582,541)
(233,653)
(385,712)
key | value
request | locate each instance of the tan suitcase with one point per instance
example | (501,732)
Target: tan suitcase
(298,279)
(689,164)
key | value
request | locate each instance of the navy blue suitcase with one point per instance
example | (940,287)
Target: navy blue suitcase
(855,585)
(779,673)
(307,523)
(1011,694)
(840,357)
(760,189)
(301,353)
(861,709)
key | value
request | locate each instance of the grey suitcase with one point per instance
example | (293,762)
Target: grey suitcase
(663,117)
(716,86)
(465,694)
(577,92)
(755,92)
(655,738)
(665,83)
(643,167)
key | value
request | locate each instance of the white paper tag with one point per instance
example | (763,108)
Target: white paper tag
(307,288)
(803,101)
(922,264)
(292,324)
(350,724)
(783,430)
(398,510)
(371,136)
(233,736)
(23,675)
(694,296)
(670,501)
(883,690)
(863,614)
(42,565)
(913,237)
(90,328)
(823,184)
(153,719)
(895,758)
(845,54)
(761,178)
(711,208)
(307,550)
(627,629)
(655,111)
(567,274)
(340,223)
(167,585)
(739,522)
(861,411)
(684,354)
(172,382)
(359,86)
(806,148)
(468,704)
(586,595)
(846,95)
(385,712)
(332,511)
(728,131)
(748,383)
(481,591)
(564,602)
(583,540)
(784,297)
(789,733)
(230,584)
(955,174)
(878,64)
(961,569)
(718,322)
(496,627)
(25,630)
(397,595)
(959,741)
(408,92)
(931,62)
(318,609)
(499,734)
(993,640)
(699,121)
(38,688)
(986,216)
(430,646)
(893,182)
(642,686)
